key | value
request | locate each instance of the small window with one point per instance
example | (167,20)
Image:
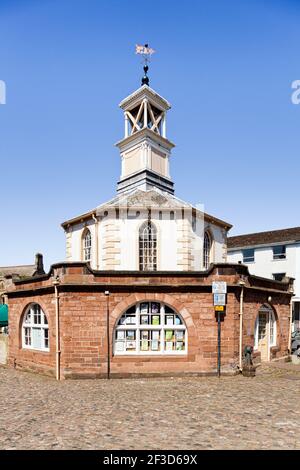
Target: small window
(296,316)
(87,245)
(206,250)
(279,252)
(248,255)
(278,276)
(35,330)
(148,247)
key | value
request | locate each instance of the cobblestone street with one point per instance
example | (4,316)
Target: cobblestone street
(190,413)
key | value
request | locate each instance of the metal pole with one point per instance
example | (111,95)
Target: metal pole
(107,334)
(219,344)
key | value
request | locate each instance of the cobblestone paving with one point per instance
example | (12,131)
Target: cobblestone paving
(190,413)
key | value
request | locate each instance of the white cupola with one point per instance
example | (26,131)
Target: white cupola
(145,149)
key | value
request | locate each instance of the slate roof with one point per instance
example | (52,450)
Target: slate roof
(18,271)
(25,270)
(264,238)
(139,199)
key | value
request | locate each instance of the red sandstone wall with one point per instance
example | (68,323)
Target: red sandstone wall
(83,328)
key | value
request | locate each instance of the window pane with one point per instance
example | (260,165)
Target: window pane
(278,276)
(144,307)
(179,340)
(279,252)
(130,340)
(147,247)
(206,250)
(27,336)
(37,315)
(262,324)
(248,255)
(36,338)
(46,338)
(28,317)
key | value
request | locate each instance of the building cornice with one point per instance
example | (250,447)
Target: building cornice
(139,136)
(144,92)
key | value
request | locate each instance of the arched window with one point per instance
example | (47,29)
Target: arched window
(87,245)
(150,328)
(148,247)
(265,327)
(35,330)
(206,250)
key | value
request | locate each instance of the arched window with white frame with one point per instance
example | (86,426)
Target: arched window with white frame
(150,328)
(35,329)
(148,247)
(86,245)
(206,250)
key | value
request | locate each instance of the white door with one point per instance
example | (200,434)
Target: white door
(263,336)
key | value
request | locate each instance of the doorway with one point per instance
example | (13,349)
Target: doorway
(265,332)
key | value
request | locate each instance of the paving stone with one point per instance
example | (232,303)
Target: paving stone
(171,413)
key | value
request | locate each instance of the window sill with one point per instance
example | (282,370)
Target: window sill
(150,354)
(45,351)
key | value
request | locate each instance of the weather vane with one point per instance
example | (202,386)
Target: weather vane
(146,52)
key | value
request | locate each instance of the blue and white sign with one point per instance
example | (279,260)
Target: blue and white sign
(219,287)
(219,299)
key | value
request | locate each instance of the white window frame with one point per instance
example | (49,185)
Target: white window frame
(87,245)
(29,325)
(148,247)
(162,328)
(271,320)
(279,256)
(207,244)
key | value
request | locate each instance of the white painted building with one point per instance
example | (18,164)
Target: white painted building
(145,226)
(274,255)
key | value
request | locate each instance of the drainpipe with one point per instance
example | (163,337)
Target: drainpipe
(290,327)
(242,284)
(107,333)
(96,239)
(56,283)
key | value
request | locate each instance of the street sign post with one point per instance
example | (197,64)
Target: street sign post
(219,289)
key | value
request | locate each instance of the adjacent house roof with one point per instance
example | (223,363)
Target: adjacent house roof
(19,271)
(23,271)
(264,238)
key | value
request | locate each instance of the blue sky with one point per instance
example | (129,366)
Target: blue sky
(227,69)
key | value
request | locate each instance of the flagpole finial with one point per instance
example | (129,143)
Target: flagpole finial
(146,53)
